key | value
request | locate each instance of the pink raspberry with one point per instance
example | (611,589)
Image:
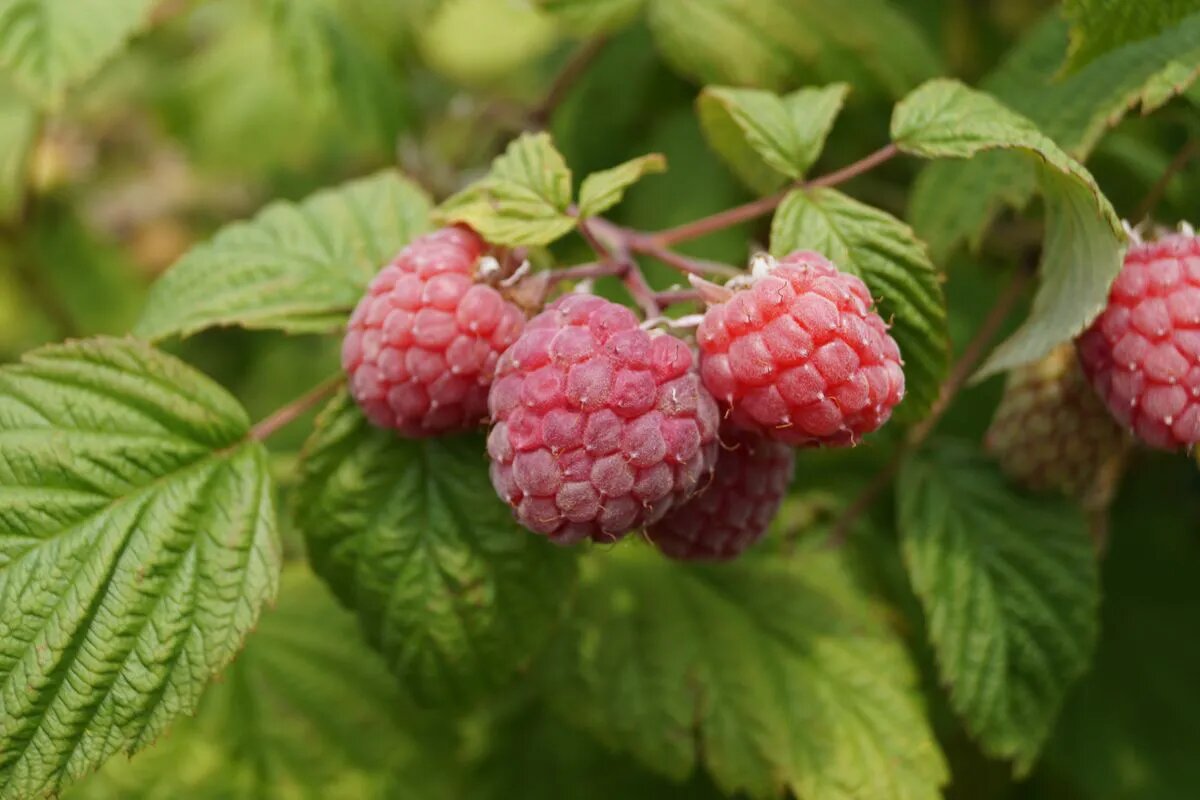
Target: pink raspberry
(800,357)
(599,426)
(1142,354)
(736,507)
(423,343)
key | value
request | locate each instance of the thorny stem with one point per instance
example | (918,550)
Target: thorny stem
(960,373)
(291,412)
(616,251)
(1186,153)
(765,205)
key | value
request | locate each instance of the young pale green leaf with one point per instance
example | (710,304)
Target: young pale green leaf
(525,198)
(590,17)
(1098,26)
(48,45)
(895,265)
(777,674)
(1010,590)
(306,712)
(18,126)
(296,267)
(137,545)
(766,138)
(778,44)
(412,537)
(1084,239)
(603,190)
(955,201)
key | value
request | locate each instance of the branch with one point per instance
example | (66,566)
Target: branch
(617,252)
(291,412)
(1186,153)
(566,79)
(955,380)
(765,205)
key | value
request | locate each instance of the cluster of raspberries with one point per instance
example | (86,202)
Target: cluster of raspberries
(599,426)
(1064,422)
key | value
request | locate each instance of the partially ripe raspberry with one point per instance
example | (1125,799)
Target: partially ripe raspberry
(1142,354)
(1052,433)
(734,509)
(599,426)
(799,356)
(423,343)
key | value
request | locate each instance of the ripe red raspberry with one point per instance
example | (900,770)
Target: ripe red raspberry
(600,427)
(736,507)
(1142,354)
(800,356)
(423,343)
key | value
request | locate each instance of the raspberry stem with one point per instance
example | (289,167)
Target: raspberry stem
(955,380)
(1186,153)
(765,205)
(286,415)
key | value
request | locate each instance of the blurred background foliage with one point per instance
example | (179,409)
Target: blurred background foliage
(218,106)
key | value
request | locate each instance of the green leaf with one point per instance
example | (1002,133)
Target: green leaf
(780,44)
(48,45)
(777,675)
(525,198)
(954,202)
(334,65)
(412,537)
(1126,730)
(306,711)
(603,190)
(1084,240)
(590,17)
(1010,590)
(137,545)
(296,267)
(534,754)
(885,253)
(18,127)
(767,138)
(1098,26)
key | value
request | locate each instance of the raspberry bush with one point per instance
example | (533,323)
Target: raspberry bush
(547,398)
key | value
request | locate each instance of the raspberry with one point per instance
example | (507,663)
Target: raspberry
(800,357)
(599,426)
(736,507)
(1142,354)
(1052,433)
(423,343)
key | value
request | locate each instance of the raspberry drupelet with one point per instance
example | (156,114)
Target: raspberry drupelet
(423,343)
(599,427)
(800,356)
(1142,354)
(733,510)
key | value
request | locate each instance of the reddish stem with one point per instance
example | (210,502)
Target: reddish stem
(959,374)
(692,266)
(765,205)
(291,412)
(579,272)
(672,296)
